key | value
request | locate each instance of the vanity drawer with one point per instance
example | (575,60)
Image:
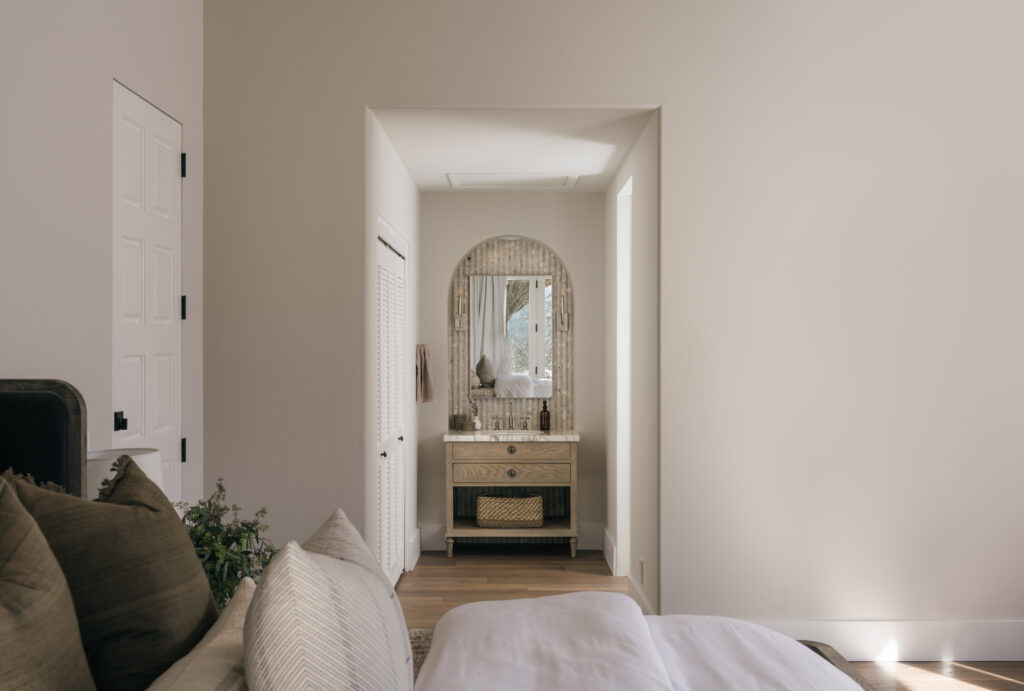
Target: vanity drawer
(495,451)
(502,473)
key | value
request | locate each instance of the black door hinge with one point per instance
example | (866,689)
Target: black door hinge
(183,457)
(182,306)
(182,165)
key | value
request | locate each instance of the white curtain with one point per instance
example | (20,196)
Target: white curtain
(487,321)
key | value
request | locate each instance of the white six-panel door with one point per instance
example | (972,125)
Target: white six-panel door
(147,281)
(391,401)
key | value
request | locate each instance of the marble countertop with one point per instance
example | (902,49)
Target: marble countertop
(510,435)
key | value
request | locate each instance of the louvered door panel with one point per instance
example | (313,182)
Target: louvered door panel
(388,534)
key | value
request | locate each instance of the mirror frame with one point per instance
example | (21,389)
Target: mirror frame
(512,256)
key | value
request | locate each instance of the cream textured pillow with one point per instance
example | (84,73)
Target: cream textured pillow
(338,538)
(325,617)
(217,663)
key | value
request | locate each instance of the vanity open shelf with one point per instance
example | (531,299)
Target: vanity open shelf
(509,463)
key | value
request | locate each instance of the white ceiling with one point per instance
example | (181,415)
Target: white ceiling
(512,148)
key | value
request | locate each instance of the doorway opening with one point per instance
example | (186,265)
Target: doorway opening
(565,177)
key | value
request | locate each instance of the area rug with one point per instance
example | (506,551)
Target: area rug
(420,640)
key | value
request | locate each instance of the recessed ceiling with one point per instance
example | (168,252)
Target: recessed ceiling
(512,148)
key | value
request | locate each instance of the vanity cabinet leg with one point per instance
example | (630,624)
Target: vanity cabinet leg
(451,547)
(572,548)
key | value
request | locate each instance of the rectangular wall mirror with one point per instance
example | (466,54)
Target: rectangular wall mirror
(510,323)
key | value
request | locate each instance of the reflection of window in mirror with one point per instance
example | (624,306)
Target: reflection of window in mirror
(547,328)
(511,323)
(528,325)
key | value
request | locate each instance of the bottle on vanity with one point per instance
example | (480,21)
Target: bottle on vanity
(545,418)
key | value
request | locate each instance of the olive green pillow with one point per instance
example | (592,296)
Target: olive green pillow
(38,626)
(140,593)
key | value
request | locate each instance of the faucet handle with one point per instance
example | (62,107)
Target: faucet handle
(497,422)
(526,422)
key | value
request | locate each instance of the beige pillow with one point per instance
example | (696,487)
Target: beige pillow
(326,620)
(217,662)
(339,539)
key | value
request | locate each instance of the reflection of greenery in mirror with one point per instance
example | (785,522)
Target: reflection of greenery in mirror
(517,325)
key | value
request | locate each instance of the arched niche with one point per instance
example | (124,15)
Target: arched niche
(512,256)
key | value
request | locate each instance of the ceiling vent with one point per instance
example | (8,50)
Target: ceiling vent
(511,181)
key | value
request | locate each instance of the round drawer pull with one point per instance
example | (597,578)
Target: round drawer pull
(511,448)
(511,472)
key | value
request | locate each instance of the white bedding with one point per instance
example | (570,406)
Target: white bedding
(597,641)
(513,386)
(521,386)
(720,653)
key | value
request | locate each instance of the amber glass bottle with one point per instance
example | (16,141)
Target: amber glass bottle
(545,418)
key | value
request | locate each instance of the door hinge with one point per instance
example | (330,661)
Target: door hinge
(182,306)
(183,457)
(182,165)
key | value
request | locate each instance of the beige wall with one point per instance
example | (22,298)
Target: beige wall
(571,224)
(642,166)
(57,64)
(840,372)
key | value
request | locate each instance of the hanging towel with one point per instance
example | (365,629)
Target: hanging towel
(424,375)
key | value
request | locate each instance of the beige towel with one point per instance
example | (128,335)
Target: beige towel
(424,375)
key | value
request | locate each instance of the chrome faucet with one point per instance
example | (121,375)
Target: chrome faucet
(511,419)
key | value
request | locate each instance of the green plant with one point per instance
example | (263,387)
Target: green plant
(229,548)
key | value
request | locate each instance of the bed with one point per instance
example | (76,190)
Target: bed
(599,640)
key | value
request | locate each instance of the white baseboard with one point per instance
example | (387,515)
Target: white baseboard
(913,640)
(432,536)
(641,599)
(609,551)
(412,550)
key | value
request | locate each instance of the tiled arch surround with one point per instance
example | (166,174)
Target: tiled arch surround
(512,256)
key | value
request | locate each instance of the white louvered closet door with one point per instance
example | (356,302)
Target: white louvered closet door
(391,361)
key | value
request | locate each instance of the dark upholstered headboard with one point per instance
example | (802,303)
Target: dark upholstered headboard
(42,431)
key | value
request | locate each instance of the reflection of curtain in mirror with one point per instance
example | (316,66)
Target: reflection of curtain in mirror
(487,321)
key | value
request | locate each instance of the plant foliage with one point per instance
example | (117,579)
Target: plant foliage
(229,548)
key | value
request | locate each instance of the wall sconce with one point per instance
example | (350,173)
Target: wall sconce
(461,323)
(563,316)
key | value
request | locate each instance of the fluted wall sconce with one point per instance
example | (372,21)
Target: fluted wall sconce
(461,322)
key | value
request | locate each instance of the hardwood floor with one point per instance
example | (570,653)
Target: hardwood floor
(505,572)
(479,572)
(943,676)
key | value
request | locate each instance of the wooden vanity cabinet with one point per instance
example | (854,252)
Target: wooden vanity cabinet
(511,464)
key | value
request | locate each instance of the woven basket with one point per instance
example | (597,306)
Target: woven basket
(509,512)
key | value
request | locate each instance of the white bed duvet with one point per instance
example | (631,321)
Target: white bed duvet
(595,641)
